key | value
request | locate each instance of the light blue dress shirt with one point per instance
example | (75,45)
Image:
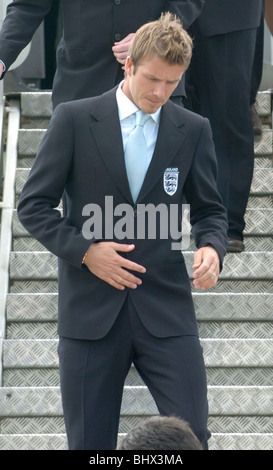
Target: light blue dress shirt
(126,109)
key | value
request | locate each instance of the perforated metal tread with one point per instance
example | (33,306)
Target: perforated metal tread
(46,401)
(246,265)
(59,442)
(39,353)
(209,306)
(259,222)
(262,182)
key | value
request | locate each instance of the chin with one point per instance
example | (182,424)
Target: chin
(151,108)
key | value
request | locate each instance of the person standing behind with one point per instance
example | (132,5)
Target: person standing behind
(125,295)
(89,58)
(219,81)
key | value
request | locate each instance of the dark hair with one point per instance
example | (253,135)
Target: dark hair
(161,432)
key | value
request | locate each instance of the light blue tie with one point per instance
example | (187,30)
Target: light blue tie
(136,155)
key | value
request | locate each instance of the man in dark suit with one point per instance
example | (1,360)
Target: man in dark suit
(220,77)
(124,291)
(86,64)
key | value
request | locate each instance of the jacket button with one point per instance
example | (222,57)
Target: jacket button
(117,2)
(117,36)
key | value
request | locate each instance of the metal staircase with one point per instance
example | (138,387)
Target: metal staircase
(235,321)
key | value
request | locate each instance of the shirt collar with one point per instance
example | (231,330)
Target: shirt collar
(126,107)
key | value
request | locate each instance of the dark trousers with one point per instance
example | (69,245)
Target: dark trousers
(257,71)
(219,88)
(93,375)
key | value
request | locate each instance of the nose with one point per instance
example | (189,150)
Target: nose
(160,90)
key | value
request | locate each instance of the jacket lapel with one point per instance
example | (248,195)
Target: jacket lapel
(105,128)
(171,134)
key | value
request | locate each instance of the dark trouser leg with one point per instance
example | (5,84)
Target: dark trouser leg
(257,70)
(173,370)
(92,376)
(240,129)
(220,75)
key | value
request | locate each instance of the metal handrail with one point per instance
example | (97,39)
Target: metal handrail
(1,133)
(7,208)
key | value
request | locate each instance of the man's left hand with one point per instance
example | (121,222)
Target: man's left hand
(206,268)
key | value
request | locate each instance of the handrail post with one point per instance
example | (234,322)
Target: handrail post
(7,207)
(1,136)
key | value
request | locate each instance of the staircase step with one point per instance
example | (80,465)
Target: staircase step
(263,159)
(260,161)
(262,183)
(221,441)
(259,202)
(217,376)
(29,141)
(207,329)
(246,265)
(209,306)
(55,425)
(264,103)
(258,243)
(39,103)
(34,316)
(259,222)
(41,353)
(46,401)
(33,442)
(231,286)
(263,144)
(217,424)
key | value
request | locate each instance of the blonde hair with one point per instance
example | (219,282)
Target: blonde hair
(165,38)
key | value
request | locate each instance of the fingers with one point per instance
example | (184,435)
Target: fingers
(120,49)
(206,266)
(103,261)
(122,279)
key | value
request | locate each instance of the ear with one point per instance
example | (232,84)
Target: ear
(129,66)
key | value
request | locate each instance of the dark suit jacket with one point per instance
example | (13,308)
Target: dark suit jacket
(225,16)
(85,62)
(82,153)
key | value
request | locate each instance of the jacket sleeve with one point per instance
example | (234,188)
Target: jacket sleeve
(21,22)
(207,214)
(41,195)
(187,10)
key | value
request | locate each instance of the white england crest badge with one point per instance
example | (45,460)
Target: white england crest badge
(170,180)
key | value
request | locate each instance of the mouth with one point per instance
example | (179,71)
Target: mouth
(155,102)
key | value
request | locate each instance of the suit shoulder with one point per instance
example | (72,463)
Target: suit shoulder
(186,116)
(77,105)
(86,105)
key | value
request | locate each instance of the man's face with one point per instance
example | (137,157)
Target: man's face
(151,84)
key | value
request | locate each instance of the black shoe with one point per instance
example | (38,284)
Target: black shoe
(235,246)
(256,120)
